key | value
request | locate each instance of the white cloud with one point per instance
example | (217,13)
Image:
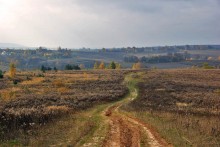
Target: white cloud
(104,23)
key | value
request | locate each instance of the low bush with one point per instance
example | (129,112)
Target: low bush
(1,74)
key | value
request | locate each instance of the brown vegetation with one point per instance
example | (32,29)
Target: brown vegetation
(12,70)
(36,100)
(184,105)
(190,91)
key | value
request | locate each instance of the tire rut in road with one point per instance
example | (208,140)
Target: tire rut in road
(122,133)
(125,131)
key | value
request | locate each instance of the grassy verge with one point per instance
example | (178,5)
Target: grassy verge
(75,130)
(97,133)
(144,139)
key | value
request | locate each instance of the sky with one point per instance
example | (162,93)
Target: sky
(109,23)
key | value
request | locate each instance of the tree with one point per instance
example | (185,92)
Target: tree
(118,66)
(102,65)
(131,59)
(12,70)
(136,66)
(76,67)
(96,65)
(82,66)
(59,48)
(55,69)
(1,74)
(72,67)
(144,59)
(43,68)
(68,67)
(112,65)
(49,68)
(133,66)
(103,50)
(207,66)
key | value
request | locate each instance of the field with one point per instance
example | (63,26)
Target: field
(183,105)
(107,108)
(38,98)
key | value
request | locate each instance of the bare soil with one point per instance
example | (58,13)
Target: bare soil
(126,131)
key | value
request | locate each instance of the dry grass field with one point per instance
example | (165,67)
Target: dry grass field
(181,91)
(178,107)
(183,105)
(38,98)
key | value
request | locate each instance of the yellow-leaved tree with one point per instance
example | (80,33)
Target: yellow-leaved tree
(12,70)
(96,65)
(102,65)
(137,66)
(118,66)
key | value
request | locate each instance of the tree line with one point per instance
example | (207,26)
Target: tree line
(102,65)
(175,57)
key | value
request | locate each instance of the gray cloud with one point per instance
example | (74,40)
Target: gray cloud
(104,23)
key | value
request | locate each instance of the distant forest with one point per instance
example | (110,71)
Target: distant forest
(26,58)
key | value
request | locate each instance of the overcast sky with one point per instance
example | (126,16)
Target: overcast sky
(109,23)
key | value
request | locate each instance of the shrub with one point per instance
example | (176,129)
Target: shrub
(137,65)
(40,75)
(102,65)
(55,69)
(12,70)
(8,95)
(217,91)
(1,74)
(112,65)
(72,67)
(15,82)
(56,110)
(96,65)
(58,83)
(44,68)
(62,90)
(207,66)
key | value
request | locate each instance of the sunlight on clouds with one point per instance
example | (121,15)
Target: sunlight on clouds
(98,23)
(6,10)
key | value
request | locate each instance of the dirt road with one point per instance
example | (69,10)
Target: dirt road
(126,131)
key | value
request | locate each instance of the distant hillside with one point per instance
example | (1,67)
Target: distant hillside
(11,45)
(160,57)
